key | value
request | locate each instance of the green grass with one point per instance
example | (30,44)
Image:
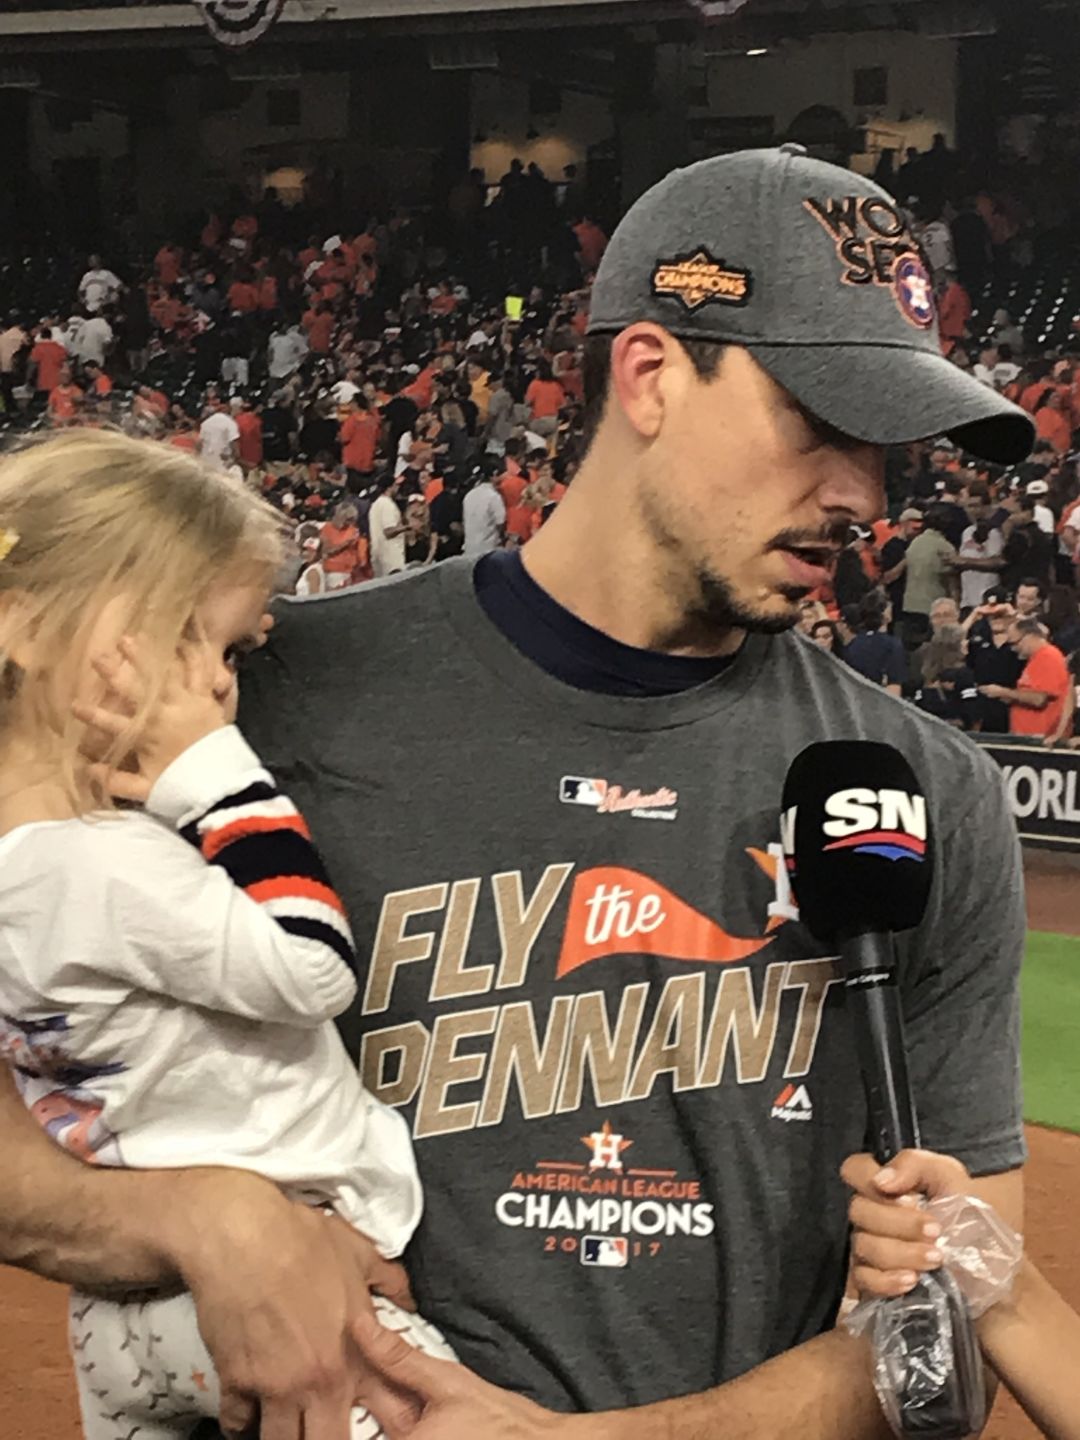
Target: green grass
(1051,992)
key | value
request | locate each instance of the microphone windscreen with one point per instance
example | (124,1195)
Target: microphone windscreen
(857,839)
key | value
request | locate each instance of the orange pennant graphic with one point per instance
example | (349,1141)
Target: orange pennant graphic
(621,912)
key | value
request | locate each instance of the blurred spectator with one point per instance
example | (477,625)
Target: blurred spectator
(98,288)
(387,529)
(873,652)
(930,574)
(342,546)
(980,563)
(1037,701)
(13,343)
(1029,552)
(484,516)
(827,636)
(948,688)
(993,661)
(894,557)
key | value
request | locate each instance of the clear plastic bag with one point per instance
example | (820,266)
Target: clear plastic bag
(928,1369)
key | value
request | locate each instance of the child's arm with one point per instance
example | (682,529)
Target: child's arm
(277,943)
(1032,1338)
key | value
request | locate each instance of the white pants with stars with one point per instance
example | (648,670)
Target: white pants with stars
(145,1374)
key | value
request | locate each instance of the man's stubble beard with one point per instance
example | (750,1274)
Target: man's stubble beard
(720,610)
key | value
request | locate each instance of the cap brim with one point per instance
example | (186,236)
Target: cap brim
(890,395)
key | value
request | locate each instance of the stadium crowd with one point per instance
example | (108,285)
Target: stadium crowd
(404,399)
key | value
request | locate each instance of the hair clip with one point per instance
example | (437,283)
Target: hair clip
(8,540)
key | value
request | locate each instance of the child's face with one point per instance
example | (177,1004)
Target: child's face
(232,619)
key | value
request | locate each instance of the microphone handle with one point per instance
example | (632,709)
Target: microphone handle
(873,1001)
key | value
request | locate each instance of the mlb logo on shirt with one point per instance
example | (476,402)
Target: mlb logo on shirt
(610,1252)
(576,790)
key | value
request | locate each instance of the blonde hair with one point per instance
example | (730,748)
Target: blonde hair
(103,517)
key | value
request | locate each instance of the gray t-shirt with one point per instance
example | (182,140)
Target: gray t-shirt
(628,1069)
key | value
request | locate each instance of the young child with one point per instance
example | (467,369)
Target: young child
(169,971)
(1031,1338)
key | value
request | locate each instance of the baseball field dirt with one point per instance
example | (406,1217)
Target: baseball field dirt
(38,1393)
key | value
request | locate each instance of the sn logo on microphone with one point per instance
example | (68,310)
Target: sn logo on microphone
(889,823)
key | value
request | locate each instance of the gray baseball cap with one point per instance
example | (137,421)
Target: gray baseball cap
(814,270)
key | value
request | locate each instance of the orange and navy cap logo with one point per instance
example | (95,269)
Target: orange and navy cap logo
(698,280)
(914,291)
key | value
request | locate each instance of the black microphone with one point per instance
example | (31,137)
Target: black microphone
(857,840)
(858,844)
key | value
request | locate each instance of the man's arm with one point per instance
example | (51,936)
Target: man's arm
(1030,699)
(276,1285)
(820,1391)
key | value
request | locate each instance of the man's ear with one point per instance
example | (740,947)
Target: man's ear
(642,357)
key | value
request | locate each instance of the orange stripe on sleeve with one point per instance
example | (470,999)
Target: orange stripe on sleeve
(217,840)
(294,887)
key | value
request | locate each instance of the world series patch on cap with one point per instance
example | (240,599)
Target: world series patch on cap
(815,271)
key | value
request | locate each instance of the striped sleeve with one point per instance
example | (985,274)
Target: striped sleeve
(262,842)
(221,800)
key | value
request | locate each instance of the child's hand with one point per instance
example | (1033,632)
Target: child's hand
(893,1241)
(195,700)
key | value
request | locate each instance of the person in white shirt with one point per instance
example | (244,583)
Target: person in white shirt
(98,287)
(387,530)
(980,548)
(345,391)
(484,516)
(93,340)
(287,351)
(218,435)
(169,974)
(1037,491)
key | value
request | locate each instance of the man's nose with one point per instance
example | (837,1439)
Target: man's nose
(854,483)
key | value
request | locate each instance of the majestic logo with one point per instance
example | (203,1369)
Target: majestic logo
(236,23)
(699,280)
(793,1103)
(914,292)
(611,1252)
(606,1147)
(608,799)
(875,246)
(889,823)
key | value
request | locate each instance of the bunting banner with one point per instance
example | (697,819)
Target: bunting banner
(236,23)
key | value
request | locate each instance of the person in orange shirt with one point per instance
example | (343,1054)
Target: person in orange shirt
(341,547)
(245,227)
(65,399)
(166,311)
(184,437)
(954,312)
(359,436)
(100,386)
(545,397)
(48,358)
(243,297)
(1053,423)
(167,264)
(512,482)
(445,302)
(319,324)
(150,404)
(1037,703)
(592,242)
(433,488)
(268,294)
(210,238)
(249,447)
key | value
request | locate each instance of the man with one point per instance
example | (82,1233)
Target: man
(387,529)
(1028,552)
(484,515)
(574,965)
(1031,599)
(1036,492)
(944,611)
(360,442)
(279,433)
(1038,699)
(13,342)
(286,352)
(480,391)
(98,383)
(47,359)
(341,547)
(99,287)
(894,556)
(93,339)
(249,445)
(992,660)
(65,399)
(219,435)
(979,563)
(930,574)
